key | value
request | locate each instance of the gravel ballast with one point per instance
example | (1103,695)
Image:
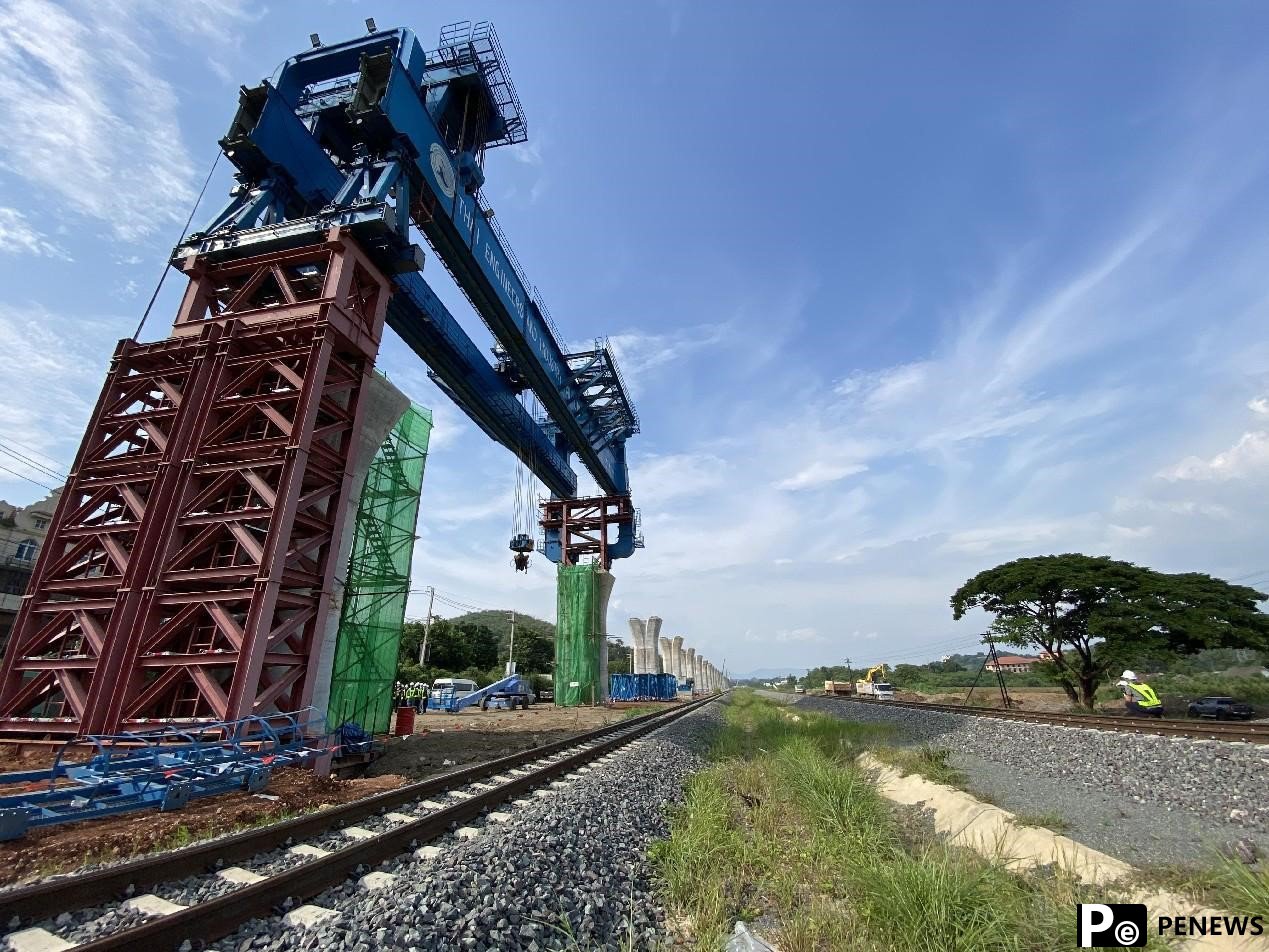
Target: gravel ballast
(1144,798)
(563,871)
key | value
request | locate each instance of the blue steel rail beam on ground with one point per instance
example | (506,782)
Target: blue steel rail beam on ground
(162,769)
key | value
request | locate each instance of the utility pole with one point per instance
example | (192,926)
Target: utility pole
(511,651)
(427,627)
(849,673)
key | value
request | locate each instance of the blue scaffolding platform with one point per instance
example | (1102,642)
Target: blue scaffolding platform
(163,769)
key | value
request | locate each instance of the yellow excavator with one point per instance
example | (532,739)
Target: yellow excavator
(871,687)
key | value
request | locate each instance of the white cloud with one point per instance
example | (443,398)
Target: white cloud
(87,116)
(677,475)
(1259,405)
(50,378)
(798,634)
(19,236)
(1248,457)
(820,474)
(639,353)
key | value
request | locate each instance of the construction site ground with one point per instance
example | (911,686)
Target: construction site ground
(443,742)
(55,849)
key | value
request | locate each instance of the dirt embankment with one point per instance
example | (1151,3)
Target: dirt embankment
(445,742)
(54,849)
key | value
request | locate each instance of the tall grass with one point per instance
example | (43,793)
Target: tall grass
(784,824)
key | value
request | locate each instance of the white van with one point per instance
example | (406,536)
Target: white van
(445,690)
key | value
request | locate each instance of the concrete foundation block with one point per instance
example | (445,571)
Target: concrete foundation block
(305,850)
(152,905)
(239,876)
(309,917)
(37,940)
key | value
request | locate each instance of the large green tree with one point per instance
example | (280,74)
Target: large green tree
(1089,613)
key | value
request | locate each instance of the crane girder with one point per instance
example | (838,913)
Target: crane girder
(348,125)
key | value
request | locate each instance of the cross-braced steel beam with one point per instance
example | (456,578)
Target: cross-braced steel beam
(186,571)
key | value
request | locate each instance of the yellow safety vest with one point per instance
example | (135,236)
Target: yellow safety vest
(1146,693)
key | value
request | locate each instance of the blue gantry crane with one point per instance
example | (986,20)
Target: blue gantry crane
(188,569)
(376,135)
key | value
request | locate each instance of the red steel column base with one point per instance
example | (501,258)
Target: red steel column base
(186,570)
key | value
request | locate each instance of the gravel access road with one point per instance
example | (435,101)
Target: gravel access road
(1142,798)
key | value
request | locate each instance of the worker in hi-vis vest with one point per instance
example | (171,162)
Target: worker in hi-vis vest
(1139,697)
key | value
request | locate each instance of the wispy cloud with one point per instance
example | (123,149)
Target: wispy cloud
(88,118)
(18,236)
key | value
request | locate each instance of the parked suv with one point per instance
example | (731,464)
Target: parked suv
(1221,708)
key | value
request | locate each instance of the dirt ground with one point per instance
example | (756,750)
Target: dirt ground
(444,742)
(49,850)
(1025,699)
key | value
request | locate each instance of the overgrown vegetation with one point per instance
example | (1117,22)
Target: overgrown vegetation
(1049,821)
(1223,883)
(1087,615)
(784,825)
(930,762)
(476,646)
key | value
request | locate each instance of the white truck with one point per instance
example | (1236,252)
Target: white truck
(878,690)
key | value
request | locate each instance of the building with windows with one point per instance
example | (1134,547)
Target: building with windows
(22,532)
(1013,664)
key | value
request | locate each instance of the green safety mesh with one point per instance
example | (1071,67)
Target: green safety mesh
(578,629)
(379,578)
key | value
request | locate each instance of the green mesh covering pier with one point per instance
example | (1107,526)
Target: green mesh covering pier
(581,635)
(378,581)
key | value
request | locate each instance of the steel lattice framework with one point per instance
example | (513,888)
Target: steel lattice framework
(188,568)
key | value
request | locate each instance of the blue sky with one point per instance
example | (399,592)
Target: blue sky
(903,290)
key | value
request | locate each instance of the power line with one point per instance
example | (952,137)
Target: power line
(39,467)
(184,231)
(1250,575)
(28,479)
(32,450)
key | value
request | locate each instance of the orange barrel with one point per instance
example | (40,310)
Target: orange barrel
(405,721)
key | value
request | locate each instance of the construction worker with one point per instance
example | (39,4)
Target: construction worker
(1139,697)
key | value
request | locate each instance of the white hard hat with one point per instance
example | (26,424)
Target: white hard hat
(1121,684)
(1129,676)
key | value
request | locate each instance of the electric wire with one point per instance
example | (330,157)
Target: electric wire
(29,479)
(184,231)
(30,449)
(39,467)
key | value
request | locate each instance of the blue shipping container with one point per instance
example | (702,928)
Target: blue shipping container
(642,687)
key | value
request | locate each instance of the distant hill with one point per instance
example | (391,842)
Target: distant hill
(499,621)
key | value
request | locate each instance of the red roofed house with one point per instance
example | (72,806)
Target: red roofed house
(1012,664)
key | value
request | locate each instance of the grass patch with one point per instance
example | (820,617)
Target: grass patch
(784,825)
(1048,821)
(930,762)
(1223,883)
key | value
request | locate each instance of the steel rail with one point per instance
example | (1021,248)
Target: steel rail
(1216,730)
(116,883)
(219,917)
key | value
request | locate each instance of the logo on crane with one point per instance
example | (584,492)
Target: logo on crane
(443,169)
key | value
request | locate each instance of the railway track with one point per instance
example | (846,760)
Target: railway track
(407,816)
(1199,730)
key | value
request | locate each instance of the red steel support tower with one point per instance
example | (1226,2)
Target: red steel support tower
(187,570)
